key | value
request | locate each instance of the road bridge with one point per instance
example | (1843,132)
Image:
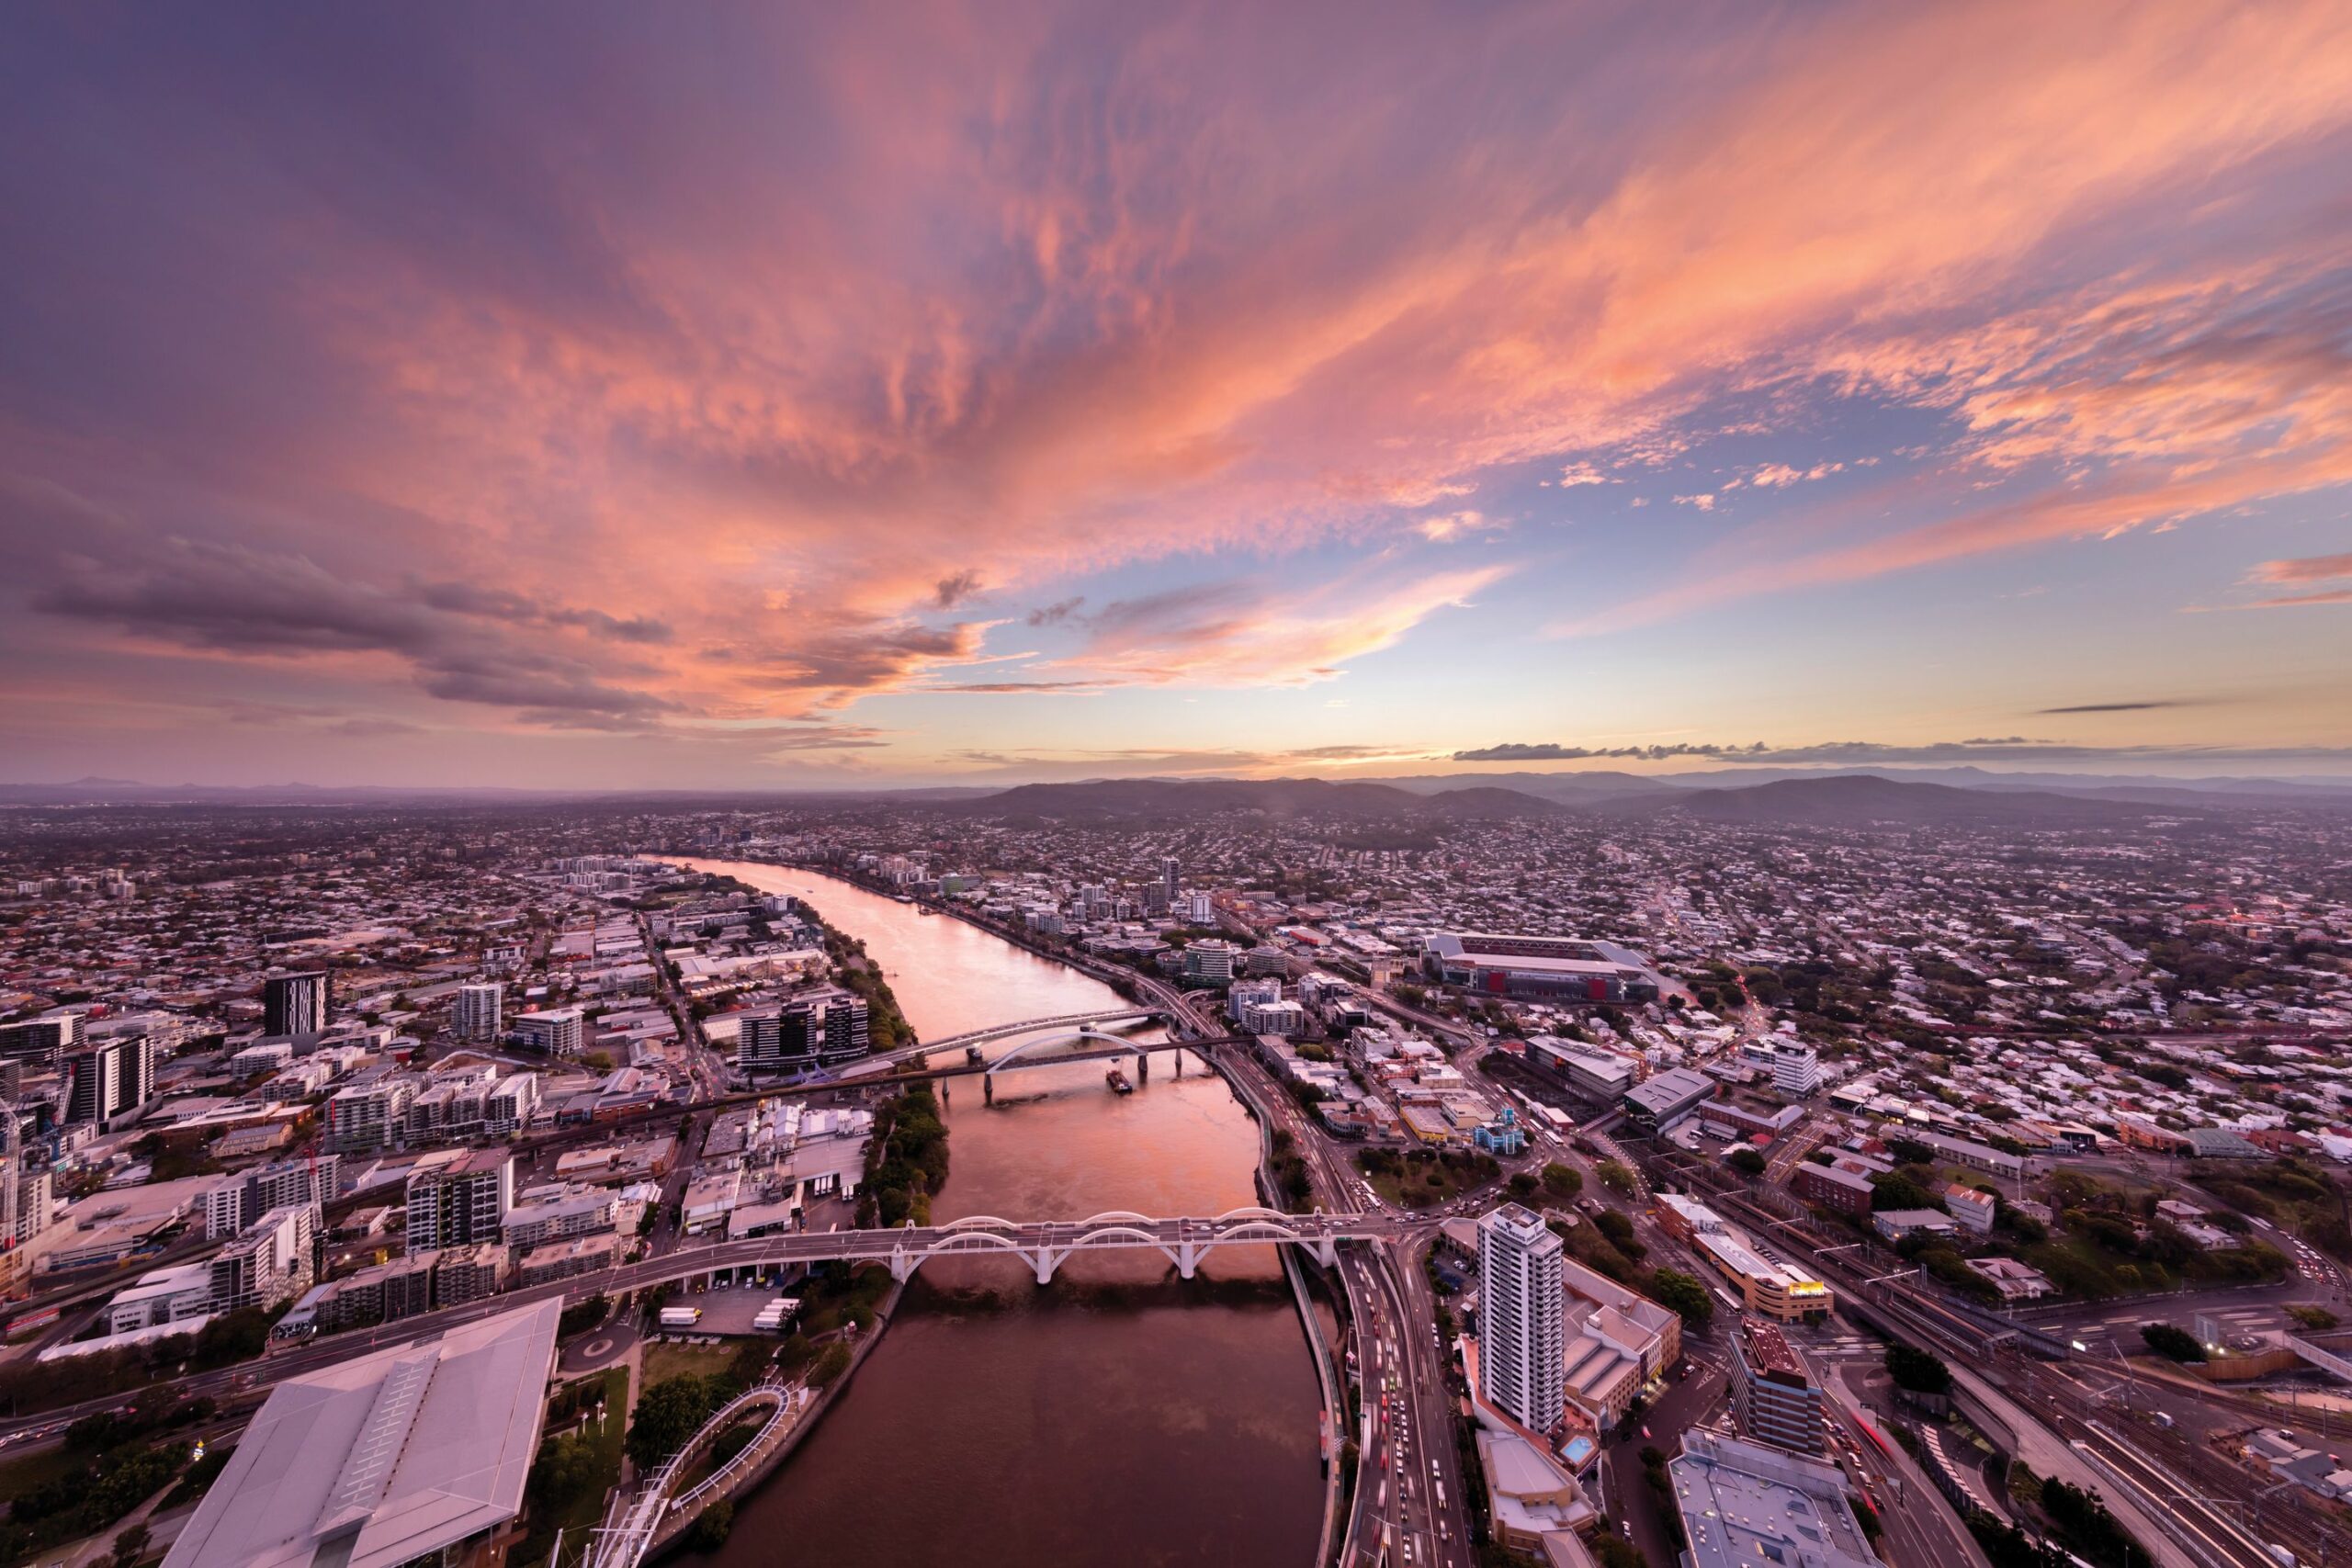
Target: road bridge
(1102,1048)
(1026,1026)
(1044,1244)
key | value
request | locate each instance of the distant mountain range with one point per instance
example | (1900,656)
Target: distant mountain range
(1111,799)
(1845,800)
(1582,788)
(1571,789)
(1778,794)
(1861,800)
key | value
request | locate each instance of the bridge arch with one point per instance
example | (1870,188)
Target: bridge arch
(1140,1234)
(1136,1235)
(1085,1035)
(966,1242)
(1007,1031)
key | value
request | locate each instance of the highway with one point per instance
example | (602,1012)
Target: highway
(1921,1527)
(1408,1504)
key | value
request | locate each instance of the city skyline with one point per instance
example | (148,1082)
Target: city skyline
(795,400)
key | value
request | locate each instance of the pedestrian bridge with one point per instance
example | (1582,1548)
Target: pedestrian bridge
(635,1524)
(659,1507)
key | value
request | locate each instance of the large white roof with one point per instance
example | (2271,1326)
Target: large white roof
(383,1458)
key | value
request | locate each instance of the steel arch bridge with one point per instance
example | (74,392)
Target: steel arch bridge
(1084,1022)
(1086,1034)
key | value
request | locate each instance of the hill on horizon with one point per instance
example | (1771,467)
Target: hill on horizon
(1111,799)
(1856,800)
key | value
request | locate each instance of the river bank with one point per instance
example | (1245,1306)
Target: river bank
(1116,1416)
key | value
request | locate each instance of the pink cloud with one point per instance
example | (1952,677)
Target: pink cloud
(1238,634)
(2287,601)
(987,300)
(2308,569)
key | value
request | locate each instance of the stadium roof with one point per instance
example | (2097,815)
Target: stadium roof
(384,1458)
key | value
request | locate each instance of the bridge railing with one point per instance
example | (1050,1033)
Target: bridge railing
(625,1546)
(785,1402)
(1000,1031)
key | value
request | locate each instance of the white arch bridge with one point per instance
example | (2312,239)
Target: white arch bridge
(1044,1245)
(1183,1242)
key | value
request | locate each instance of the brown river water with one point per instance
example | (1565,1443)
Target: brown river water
(1113,1417)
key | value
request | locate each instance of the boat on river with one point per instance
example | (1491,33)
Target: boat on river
(1118,1082)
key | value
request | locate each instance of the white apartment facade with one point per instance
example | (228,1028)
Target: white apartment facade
(1523,1312)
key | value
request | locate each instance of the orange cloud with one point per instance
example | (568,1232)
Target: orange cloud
(987,300)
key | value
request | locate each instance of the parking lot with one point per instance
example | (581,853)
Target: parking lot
(727,1310)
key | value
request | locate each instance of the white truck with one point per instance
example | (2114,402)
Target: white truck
(680,1317)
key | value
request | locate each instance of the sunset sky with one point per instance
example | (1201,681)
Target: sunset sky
(618,396)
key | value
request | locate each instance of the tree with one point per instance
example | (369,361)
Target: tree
(1523,1184)
(1892,1191)
(2085,1527)
(712,1527)
(669,1414)
(583,1315)
(830,1365)
(2168,1341)
(132,1545)
(1746,1161)
(1620,1232)
(1617,1177)
(1685,1296)
(1921,1372)
(1612,1551)
(1563,1180)
(566,1469)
